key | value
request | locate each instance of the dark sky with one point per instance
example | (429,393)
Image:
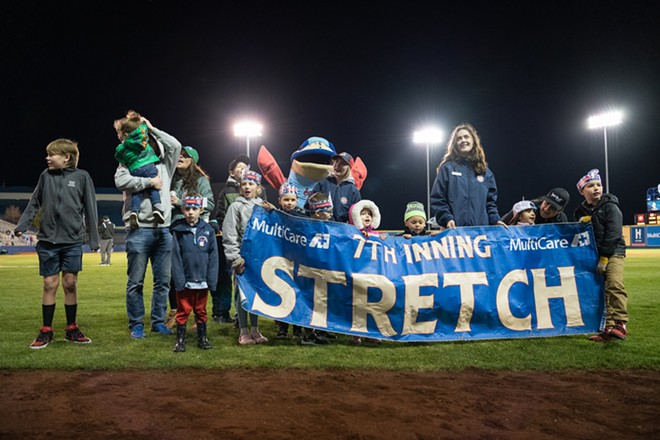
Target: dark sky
(364,75)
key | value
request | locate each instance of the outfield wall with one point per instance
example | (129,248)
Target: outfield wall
(642,236)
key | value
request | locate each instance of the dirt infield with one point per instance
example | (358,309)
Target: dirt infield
(306,404)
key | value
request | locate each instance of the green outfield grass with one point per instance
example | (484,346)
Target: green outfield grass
(102,316)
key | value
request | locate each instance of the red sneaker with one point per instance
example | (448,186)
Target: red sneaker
(603,336)
(44,338)
(74,334)
(619,331)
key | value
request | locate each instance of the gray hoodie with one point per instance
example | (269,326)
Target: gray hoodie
(67,200)
(235,223)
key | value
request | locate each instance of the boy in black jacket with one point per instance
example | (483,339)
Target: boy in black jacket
(602,210)
(67,200)
(194,269)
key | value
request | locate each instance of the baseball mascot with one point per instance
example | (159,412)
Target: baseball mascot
(310,163)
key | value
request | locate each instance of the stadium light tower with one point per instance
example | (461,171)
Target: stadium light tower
(603,121)
(247,129)
(428,136)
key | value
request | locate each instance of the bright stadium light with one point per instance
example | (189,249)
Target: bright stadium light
(603,121)
(428,136)
(247,129)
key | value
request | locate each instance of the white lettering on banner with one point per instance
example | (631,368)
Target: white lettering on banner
(279,231)
(274,268)
(653,234)
(447,247)
(533,244)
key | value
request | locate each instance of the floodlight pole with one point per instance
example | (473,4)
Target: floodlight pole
(607,168)
(428,181)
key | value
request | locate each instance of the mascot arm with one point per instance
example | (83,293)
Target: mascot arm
(359,171)
(269,168)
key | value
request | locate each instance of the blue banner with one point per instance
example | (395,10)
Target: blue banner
(464,284)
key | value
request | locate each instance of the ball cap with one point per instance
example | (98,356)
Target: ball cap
(192,153)
(523,205)
(345,157)
(557,198)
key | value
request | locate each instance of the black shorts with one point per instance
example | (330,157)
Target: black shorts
(56,258)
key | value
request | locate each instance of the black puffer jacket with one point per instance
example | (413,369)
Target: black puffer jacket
(607,221)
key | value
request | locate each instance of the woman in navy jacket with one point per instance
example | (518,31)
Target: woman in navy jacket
(464,192)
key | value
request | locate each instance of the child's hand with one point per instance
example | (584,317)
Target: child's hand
(586,219)
(407,235)
(602,265)
(268,206)
(451,224)
(433,233)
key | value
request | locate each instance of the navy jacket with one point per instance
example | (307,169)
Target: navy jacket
(459,194)
(343,196)
(607,221)
(194,258)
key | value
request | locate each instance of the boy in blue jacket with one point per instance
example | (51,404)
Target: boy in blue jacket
(194,269)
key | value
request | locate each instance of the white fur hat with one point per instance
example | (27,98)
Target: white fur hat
(354,214)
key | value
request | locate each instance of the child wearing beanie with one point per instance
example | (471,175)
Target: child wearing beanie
(602,210)
(414,221)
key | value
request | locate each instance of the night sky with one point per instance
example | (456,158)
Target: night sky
(364,75)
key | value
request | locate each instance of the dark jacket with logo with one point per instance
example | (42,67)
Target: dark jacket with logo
(194,255)
(343,195)
(607,222)
(459,194)
(67,200)
(107,230)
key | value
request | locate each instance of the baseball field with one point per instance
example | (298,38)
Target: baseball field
(117,387)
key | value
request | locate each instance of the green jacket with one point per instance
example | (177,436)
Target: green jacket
(135,151)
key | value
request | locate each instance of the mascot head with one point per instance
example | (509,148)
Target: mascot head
(313,159)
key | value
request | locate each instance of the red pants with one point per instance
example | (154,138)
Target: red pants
(189,300)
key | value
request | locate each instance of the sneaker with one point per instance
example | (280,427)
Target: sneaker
(74,334)
(133,220)
(281,333)
(138,332)
(161,329)
(246,340)
(619,331)
(356,340)
(159,217)
(44,338)
(259,338)
(313,340)
(603,336)
(297,333)
(223,320)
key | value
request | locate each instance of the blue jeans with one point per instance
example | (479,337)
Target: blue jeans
(148,170)
(142,245)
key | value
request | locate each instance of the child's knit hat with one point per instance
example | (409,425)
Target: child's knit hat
(287,188)
(193,201)
(324,203)
(414,209)
(523,205)
(251,176)
(591,175)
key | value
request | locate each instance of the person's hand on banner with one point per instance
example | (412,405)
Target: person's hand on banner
(586,219)
(602,265)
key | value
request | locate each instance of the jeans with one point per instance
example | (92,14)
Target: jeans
(222,296)
(148,170)
(142,245)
